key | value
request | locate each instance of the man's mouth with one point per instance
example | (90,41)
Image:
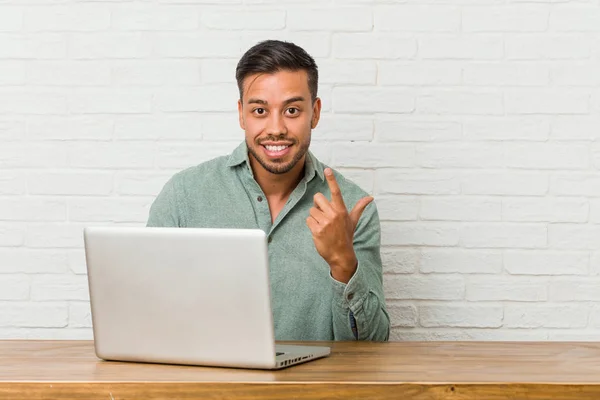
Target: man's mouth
(275,151)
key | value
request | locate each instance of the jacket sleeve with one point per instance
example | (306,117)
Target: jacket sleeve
(359,311)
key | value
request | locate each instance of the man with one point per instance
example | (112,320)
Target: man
(323,231)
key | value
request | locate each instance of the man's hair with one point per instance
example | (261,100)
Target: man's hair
(271,56)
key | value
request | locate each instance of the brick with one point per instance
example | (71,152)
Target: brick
(461,47)
(373,100)
(399,261)
(222,71)
(336,127)
(575,127)
(14,287)
(547,102)
(109,210)
(12,234)
(511,18)
(17,155)
(110,101)
(373,45)
(504,236)
(80,315)
(448,261)
(574,236)
(545,210)
(112,155)
(156,73)
(373,155)
(417,182)
(452,102)
(31,208)
(243,20)
(507,289)
(595,317)
(167,127)
(561,156)
(503,74)
(179,156)
(460,316)
(32,46)
(33,314)
(136,17)
(349,72)
(401,129)
(420,73)
(547,46)
(403,315)
(507,183)
(575,184)
(585,74)
(344,19)
(575,18)
(594,211)
(198,45)
(220,2)
(412,18)
(583,289)
(27,101)
(365,179)
(12,128)
(460,155)
(68,73)
(398,208)
(110,45)
(317,44)
(202,98)
(28,261)
(11,19)
(545,262)
(403,287)
(442,208)
(37,333)
(12,73)
(70,183)
(76,261)
(596,155)
(12,183)
(72,17)
(70,127)
(140,183)
(522,128)
(545,316)
(419,234)
(65,287)
(54,235)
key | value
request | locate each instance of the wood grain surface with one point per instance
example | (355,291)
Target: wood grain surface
(406,370)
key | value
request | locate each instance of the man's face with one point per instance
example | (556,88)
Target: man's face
(277,114)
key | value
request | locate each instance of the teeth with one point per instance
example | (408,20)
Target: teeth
(276,148)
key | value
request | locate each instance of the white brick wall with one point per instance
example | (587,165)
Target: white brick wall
(476,125)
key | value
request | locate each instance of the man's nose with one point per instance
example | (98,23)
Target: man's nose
(276,125)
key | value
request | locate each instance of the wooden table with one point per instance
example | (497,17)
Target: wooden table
(410,370)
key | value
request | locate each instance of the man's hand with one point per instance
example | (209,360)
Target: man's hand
(333,229)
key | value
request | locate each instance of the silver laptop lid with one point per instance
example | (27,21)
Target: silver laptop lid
(189,296)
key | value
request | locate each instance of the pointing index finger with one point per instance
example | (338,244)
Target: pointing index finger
(336,193)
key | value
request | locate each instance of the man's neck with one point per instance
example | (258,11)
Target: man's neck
(277,186)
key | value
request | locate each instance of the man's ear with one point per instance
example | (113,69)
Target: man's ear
(316,113)
(241,114)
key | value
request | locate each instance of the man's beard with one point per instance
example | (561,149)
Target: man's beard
(276,166)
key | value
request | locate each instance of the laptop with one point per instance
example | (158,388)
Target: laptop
(185,296)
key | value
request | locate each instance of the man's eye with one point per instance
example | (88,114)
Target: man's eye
(259,111)
(293,111)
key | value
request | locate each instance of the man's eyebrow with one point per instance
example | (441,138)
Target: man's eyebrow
(264,103)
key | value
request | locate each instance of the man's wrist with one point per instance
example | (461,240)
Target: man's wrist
(344,268)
